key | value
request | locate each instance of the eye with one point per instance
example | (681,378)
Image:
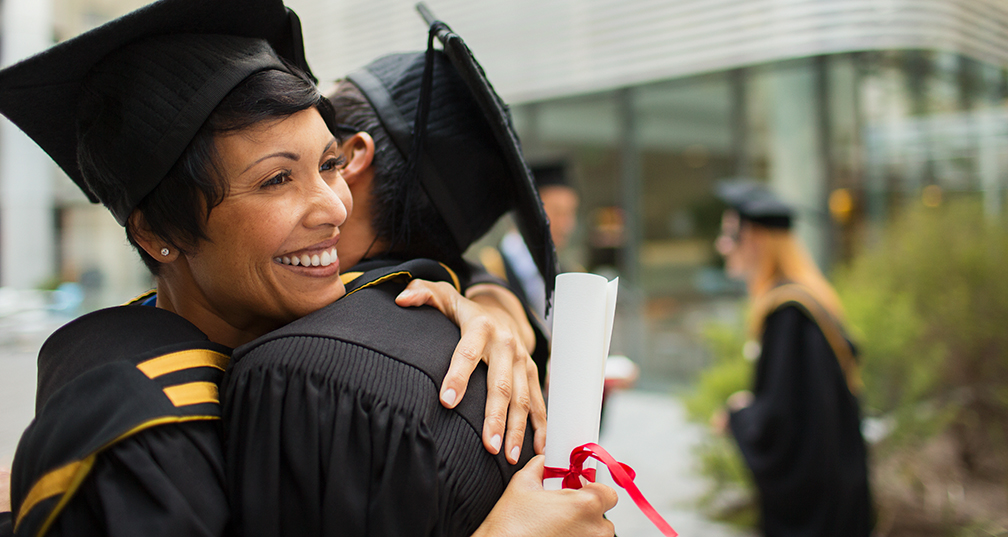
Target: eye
(334,163)
(276,180)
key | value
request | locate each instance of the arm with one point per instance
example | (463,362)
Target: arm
(495,330)
(527,510)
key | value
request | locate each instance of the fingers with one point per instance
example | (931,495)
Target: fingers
(499,385)
(605,495)
(467,355)
(537,412)
(518,412)
(532,473)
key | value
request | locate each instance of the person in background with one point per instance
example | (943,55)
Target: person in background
(799,428)
(512,262)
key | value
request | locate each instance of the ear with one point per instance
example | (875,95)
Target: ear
(359,152)
(152,244)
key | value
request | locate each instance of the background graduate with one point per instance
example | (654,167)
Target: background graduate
(799,428)
(334,428)
(198,126)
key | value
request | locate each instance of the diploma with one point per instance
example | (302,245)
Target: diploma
(583,309)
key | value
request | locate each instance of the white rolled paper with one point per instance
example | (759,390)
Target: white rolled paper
(584,306)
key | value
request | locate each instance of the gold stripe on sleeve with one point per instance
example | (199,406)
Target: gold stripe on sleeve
(187,359)
(68,478)
(454,277)
(192,393)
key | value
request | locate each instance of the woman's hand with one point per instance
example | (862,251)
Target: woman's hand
(526,510)
(494,329)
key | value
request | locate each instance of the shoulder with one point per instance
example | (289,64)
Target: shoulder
(365,331)
(105,378)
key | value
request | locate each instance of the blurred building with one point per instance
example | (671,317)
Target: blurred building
(847,108)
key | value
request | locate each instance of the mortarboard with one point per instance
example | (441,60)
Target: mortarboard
(755,202)
(150,80)
(467,155)
(551,174)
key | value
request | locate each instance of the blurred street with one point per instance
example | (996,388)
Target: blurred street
(646,430)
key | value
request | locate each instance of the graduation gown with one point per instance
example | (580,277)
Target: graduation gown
(126,435)
(333,423)
(801,435)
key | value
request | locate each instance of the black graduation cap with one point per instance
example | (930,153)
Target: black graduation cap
(150,80)
(755,202)
(550,174)
(456,134)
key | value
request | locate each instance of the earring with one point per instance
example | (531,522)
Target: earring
(165,252)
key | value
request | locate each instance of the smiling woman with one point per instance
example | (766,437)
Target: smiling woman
(285,200)
(199,126)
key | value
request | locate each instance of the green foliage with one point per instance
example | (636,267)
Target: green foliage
(729,373)
(719,457)
(929,303)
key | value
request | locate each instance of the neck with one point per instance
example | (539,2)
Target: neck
(186,301)
(358,239)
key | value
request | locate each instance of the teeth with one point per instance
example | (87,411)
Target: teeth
(324,259)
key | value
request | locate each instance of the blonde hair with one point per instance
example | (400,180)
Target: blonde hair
(782,259)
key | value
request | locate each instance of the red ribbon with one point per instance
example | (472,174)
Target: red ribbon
(622,475)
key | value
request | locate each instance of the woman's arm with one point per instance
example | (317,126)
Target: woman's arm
(527,510)
(495,330)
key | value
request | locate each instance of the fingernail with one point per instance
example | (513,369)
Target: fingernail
(448,397)
(405,294)
(515,451)
(495,441)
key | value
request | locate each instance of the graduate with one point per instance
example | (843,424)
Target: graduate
(799,427)
(334,428)
(199,126)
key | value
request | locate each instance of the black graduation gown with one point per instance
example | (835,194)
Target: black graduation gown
(333,424)
(801,435)
(126,436)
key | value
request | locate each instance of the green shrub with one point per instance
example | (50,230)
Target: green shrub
(929,305)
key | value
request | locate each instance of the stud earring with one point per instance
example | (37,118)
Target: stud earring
(165,252)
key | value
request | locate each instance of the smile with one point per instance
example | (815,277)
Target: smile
(324,259)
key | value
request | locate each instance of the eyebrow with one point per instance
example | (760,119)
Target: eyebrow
(284,154)
(287,155)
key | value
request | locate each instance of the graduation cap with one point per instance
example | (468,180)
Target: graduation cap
(143,84)
(443,115)
(755,202)
(552,174)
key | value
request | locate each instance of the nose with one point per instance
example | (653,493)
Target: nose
(325,207)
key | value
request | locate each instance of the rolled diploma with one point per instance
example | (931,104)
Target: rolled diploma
(584,306)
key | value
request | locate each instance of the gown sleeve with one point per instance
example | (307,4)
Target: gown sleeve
(168,481)
(310,454)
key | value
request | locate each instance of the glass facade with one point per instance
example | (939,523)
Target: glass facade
(845,137)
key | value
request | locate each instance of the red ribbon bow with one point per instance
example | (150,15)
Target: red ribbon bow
(622,475)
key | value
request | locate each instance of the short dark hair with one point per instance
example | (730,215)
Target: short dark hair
(404,216)
(178,208)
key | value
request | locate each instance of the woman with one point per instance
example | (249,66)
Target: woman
(799,429)
(151,140)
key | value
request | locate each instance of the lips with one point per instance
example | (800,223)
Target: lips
(323,259)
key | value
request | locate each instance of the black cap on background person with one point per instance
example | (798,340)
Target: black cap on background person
(755,203)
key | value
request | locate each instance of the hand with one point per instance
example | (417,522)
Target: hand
(5,499)
(739,400)
(490,333)
(527,510)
